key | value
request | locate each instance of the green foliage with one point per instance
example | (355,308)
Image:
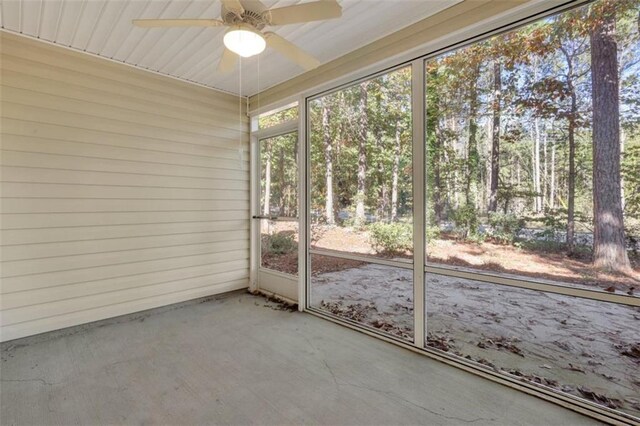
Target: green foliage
(278,117)
(553,223)
(544,101)
(465,219)
(631,176)
(391,238)
(279,243)
(432,233)
(278,156)
(505,227)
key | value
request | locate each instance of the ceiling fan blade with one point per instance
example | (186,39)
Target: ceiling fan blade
(306,12)
(291,51)
(233,6)
(227,61)
(151,23)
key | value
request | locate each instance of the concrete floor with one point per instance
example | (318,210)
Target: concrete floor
(239,360)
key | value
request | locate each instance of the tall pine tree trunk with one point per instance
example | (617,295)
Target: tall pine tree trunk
(283,183)
(434,148)
(328,164)
(571,131)
(472,146)
(536,166)
(545,171)
(363,127)
(266,207)
(552,189)
(495,137)
(267,180)
(394,175)
(571,197)
(609,241)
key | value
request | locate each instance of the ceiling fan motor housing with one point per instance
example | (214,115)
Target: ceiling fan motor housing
(257,19)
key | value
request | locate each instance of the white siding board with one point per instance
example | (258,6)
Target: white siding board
(119,112)
(22,83)
(42,175)
(46,310)
(84,191)
(84,219)
(78,162)
(71,291)
(25,112)
(100,85)
(52,323)
(61,147)
(199,244)
(225,252)
(121,190)
(41,238)
(62,205)
(67,59)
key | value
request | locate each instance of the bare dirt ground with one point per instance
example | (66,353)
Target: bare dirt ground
(488,256)
(587,348)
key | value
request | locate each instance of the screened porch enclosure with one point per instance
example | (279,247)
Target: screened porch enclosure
(513,245)
(395,212)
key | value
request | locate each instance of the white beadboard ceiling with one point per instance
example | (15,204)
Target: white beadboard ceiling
(103,27)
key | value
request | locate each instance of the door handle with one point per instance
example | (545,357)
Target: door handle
(274,217)
(266,217)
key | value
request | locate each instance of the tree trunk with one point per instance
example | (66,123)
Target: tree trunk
(267,180)
(495,137)
(264,227)
(571,198)
(363,125)
(536,166)
(545,171)
(609,241)
(434,149)
(394,175)
(552,189)
(438,204)
(472,146)
(571,190)
(328,165)
(283,183)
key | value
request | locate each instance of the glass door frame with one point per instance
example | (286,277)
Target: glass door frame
(277,280)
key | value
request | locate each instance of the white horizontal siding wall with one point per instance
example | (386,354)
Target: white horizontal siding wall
(121,190)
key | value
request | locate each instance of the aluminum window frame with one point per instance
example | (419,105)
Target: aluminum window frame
(256,136)
(420,265)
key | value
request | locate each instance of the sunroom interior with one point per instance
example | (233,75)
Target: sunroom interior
(329,212)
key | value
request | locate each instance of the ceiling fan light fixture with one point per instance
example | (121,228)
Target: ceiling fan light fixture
(244,41)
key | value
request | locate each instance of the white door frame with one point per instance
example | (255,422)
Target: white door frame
(276,280)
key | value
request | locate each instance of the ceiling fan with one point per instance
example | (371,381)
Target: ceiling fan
(247,18)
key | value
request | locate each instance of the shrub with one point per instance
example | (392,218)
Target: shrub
(465,219)
(432,232)
(505,227)
(391,238)
(279,243)
(554,223)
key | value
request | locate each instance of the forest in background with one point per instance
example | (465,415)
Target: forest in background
(533,142)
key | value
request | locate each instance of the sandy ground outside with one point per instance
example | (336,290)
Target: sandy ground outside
(583,347)
(548,266)
(587,348)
